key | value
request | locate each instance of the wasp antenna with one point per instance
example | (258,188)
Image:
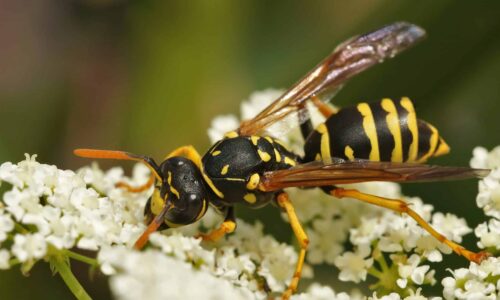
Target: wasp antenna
(152,227)
(122,155)
(104,154)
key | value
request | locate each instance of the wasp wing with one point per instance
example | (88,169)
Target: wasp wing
(348,59)
(315,174)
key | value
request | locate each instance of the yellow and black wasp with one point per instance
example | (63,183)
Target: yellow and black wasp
(381,141)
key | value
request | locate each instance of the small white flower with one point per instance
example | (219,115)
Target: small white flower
(220,126)
(488,197)
(325,245)
(238,269)
(354,266)
(29,246)
(391,296)
(488,267)
(475,282)
(415,295)
(277,265)
(183,248)
(6,225)
(411,270)
(4,259)
(451,226)
(319,292)
(8,173)
(483,159)
(369,230)
(488,234)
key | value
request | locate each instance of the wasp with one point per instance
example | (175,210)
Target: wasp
(380,141)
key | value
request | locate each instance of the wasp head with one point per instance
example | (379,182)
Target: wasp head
(181,191)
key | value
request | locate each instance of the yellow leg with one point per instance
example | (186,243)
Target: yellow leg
(188,152)
(325,109)
(402,207)
(284,202)
(137,189)
(228,226)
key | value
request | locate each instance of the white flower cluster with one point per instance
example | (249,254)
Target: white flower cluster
(153,275)
(489,196)
(482,281)
(53,207)
(477,282)
(251,261)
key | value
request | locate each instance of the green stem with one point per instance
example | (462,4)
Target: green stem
(374,272)
(383,263)
(20,228)
(82,258)
(58,261)
(14,262)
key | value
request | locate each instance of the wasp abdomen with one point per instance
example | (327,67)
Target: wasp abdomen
(382,131)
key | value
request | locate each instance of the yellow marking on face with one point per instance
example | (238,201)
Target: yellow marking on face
(202,211)
(231,134)
(317,157)
(349,153)
(290,161)
(370,130)
(224,170)
(325,143)
(264,155)
(253,182)
(255,139)
(172,189)
(215,153)
(211,184)
(412,125)
(277,155)
(442,149)
(433,140)
(269,139)
(392,120)
(157,202)
(250,198)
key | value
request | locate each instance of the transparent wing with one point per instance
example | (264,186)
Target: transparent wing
(318,173)
(348,59)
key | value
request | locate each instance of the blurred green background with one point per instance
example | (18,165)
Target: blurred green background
(148,76)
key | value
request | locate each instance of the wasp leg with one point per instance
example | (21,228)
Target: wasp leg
(284,202)
(137,189)
(325,109)
(189,152)
(228,226)
(402,207)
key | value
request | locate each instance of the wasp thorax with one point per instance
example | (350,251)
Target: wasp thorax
(183,187)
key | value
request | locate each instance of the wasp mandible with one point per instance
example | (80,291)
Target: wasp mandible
(381,141)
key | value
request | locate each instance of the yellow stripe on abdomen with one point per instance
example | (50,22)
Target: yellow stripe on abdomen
(433,141)
(392,120)
(412,125)
(370,130)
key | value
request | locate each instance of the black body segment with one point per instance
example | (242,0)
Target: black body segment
(381,131)
(186,190)
(233,167)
